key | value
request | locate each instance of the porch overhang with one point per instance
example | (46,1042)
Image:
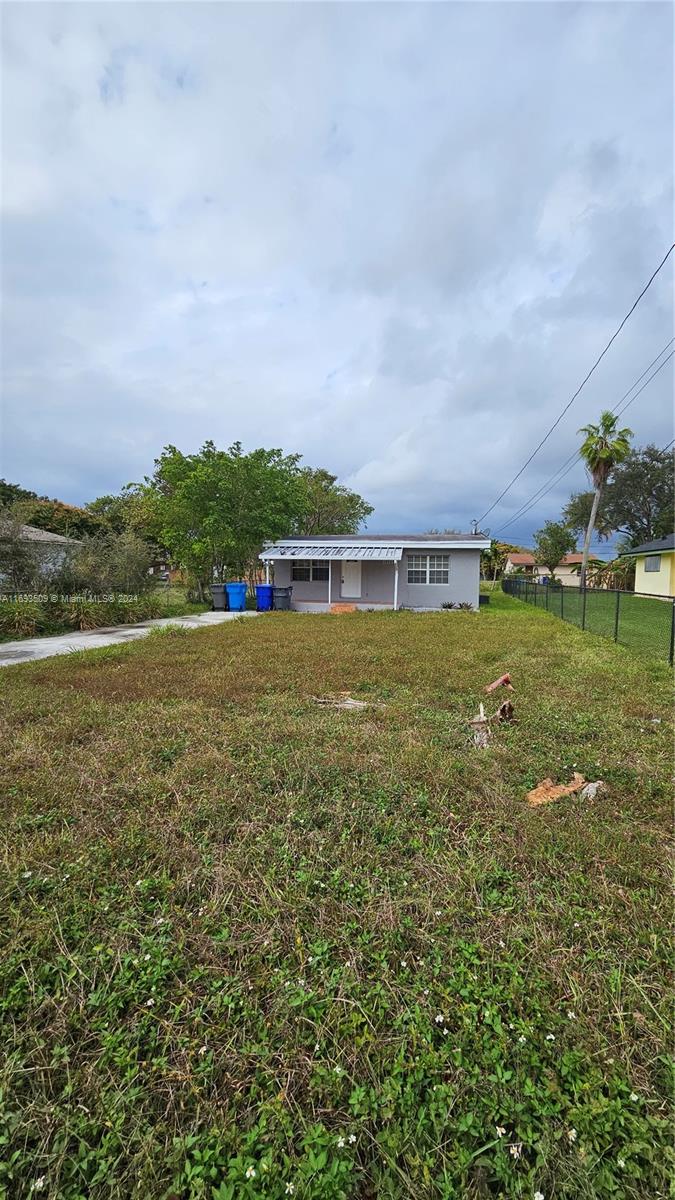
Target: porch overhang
(342,551)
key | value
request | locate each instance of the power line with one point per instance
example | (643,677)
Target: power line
(570,462)
(581,385)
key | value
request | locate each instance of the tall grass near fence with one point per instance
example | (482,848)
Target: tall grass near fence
(645,624)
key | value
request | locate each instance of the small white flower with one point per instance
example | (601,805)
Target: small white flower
(337,1070)
(634,1096)
(571,1135)
(149,1003)
(27,874)
(445,1031)
(290,1188)
(439,1018)
(352,1138)
(577,925)
(316,1047)
(203,1049)
(437,912)
(139,882)
(309,960)
(550,1037)
(403,962)
(426,992)
(538,1196)
(522,1039)
(511,1025)
(500,1131)
(502,944)
(571,1016)
(341,1143)
(250,1172)
(347,965)
(516,1150)
(40,1183)
(621,1162)
(146,958)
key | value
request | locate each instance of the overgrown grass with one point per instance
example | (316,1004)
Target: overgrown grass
(259,948)
(31,618)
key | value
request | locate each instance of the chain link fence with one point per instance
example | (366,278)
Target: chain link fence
(643,623)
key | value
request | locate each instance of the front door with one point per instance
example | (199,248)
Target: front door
(350,579)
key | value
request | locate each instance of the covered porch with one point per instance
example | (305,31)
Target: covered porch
(325,574)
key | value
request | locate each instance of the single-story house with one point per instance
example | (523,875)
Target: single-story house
(526,563)
(403,570)
(49,548)
(654,567)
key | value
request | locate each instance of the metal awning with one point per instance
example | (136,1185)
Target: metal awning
(314,550)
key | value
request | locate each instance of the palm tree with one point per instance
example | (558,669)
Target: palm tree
(603,448)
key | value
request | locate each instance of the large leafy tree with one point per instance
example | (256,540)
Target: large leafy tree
(11,492)
(329,507)
(637,502)
(551,543)
(133,509)
(603,448)
(58,517)
(216,508)
(641,495)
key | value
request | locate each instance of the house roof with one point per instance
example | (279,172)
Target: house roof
(521,560)
(31,533)
(656,547)
(528,560)
(386,546)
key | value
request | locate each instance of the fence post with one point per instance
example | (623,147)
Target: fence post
(583,608)
(547,599)
(672,632)
(562,597)
(616,616)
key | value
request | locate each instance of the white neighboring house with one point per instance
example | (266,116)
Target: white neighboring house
(401,570)
(526,564)
(50,549)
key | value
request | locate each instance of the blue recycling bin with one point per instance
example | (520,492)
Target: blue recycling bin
(236,596)
(263,597)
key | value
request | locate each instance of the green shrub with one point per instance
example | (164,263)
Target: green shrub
(20,618)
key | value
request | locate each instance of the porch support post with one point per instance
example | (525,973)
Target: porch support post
(395,584)
(330,581)
(267,571)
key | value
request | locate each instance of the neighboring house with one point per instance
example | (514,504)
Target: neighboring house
(48,550)
(526,564)
(404,570)
(51,548)
(654,567)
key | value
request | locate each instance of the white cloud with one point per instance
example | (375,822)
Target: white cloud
(393,239)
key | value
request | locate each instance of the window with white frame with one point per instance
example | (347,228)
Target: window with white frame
(428,568)
(309,570)
(653,562)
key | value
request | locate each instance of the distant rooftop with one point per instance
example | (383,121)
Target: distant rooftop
(656,547)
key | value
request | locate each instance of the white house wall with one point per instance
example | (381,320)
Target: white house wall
(377,583)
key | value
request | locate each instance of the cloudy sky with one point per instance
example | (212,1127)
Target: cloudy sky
(390,237)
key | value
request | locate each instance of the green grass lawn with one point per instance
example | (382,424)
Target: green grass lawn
(644,622)
(254,947)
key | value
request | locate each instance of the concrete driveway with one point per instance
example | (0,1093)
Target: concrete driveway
(31,649)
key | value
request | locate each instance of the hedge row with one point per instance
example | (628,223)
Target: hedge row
(26,618)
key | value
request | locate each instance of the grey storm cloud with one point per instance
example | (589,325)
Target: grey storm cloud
(390,237)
